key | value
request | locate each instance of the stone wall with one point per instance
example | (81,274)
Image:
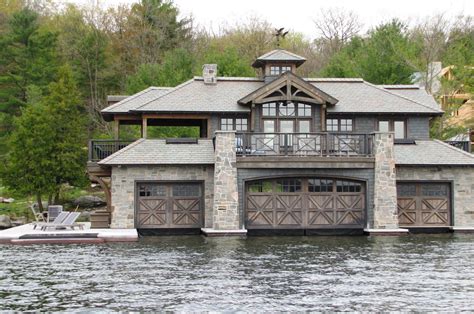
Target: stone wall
(462,185)
(226,206)
(124,184)
(385,192)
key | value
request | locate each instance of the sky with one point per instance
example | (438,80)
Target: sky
(298,15)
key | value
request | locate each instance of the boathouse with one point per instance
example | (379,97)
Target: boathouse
(282,153)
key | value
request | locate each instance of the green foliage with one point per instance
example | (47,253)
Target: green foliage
(381,58)
(176,68)
(27,56)
(229,62)
(47,146)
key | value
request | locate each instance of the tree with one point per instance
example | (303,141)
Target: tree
(47,145)
(228,61)
(336,27)
(27,56)
(176,68)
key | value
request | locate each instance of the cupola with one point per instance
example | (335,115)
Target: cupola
(276,62)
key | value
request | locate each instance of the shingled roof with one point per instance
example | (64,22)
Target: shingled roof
(414,92)
(431,153)
(278,55)
(353,95)
(359,96)
(158,152)
(136,100)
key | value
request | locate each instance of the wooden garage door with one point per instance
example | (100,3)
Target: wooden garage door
(305,203)
(424,204)
(169,205)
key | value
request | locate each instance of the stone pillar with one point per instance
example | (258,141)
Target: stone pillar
(385,184)
(226,203)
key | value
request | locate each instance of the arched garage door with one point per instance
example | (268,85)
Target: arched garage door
(305,203)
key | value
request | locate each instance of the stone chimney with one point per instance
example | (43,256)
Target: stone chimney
(209,73)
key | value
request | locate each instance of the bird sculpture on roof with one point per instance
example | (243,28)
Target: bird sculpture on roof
(279,34)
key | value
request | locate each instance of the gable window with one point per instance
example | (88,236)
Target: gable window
(396,126)
(339,125)
(277,70)
(234,124)
(286,110)
(286,117)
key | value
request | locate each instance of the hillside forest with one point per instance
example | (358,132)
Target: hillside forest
(58,63)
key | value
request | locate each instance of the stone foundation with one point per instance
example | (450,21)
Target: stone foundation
(124,184)
(462,181)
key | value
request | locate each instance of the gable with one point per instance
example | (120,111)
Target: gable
(288,87)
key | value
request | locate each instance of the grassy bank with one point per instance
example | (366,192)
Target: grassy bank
(20,207)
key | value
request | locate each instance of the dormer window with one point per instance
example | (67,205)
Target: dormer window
(277,70)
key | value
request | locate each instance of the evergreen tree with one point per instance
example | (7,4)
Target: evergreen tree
(47,145)
(27,56)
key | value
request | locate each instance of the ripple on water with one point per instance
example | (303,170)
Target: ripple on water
(419,273)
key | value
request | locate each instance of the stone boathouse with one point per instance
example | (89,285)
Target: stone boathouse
(282,153)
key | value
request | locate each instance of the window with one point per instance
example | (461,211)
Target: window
(304,126)
(348,186)
(241,124)
(277,70)
(269,110)
(237,124)
(342,125)
(396,126)
(320,185)
(151,190)
(261,187)
(269,126)
(288,185)
(304,110)
(287,110)
(346,125)
(227,124)
(186,190)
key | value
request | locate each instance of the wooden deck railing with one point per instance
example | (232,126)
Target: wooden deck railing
(304,144)
(100,149)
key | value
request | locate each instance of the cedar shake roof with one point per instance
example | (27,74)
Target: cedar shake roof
(157,152)
(353,95)
(431,153)
(278,55)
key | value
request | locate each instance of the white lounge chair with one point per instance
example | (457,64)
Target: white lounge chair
(59,219)
(68,222)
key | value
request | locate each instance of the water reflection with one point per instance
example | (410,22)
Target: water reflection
(192,273)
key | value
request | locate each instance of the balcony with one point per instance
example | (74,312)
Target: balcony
(304,144)
(100,149)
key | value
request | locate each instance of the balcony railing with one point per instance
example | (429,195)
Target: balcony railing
(100,149)
(304,144)
(464,145)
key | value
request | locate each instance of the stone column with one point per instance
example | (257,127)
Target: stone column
(226,203)
(385,186)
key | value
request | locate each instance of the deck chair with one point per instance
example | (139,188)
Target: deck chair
(38,216)
(68,222)
(59,219)
(54,211)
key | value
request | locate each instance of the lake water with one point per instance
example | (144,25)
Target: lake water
(193,273)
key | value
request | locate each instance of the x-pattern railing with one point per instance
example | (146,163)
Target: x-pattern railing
(302,144)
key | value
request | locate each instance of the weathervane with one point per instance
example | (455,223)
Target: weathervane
(279,34)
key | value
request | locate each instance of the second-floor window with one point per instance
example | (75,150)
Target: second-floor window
(339,125)
(277,70)
(396,126)
(236,124)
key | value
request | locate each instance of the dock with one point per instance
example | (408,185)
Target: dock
(26,234)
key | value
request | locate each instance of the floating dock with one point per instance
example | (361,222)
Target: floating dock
(25,234)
